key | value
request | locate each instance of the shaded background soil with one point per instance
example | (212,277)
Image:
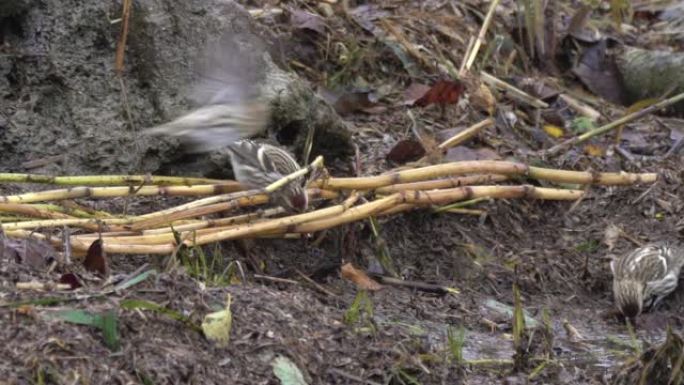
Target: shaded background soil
(63,106)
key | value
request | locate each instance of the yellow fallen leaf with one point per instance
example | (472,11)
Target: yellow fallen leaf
(484,100)
(593,150)
(216,326)
(553,131)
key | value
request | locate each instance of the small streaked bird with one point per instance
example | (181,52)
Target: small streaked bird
(256,165)
(643,277)
(228,111)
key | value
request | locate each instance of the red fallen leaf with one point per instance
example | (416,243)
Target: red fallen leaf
(95,259)
(406,150)
(70,279)
(443,92)
(359,277)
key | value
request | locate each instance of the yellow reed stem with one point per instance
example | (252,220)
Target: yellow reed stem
(159,220)
(204,236)
(181,212)
(77,222)
(281,223)
(31,211)
(478,192)
(353,214)
(442,183)
(466,134)
(484,167)
(410,199)
(197,225)
(120,191)
(106,180)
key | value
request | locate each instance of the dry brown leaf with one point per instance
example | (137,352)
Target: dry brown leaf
(70,279)
(32,252)
(483,100)
(359,277)
(96,260)
(406,150)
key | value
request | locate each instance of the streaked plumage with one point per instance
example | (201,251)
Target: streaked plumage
(643,277)
(228,111)
(257,165)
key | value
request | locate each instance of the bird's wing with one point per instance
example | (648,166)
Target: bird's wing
(227,98)
(278,160)
(227,73)
(247,166)
(646,263)
(212,127)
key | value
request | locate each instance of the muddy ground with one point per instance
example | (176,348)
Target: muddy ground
(62,106)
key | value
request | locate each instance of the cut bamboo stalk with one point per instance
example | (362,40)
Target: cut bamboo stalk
(323,218)
(76,222)
(466,134)
(485,167)
(120,191)
(280,223)
(238,219)
(442,183)
(32,211)
(412,199)
(167,219)
(173,215)
(109,180)
(266,227)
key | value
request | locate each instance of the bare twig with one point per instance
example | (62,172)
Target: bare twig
(514,92)
(423,286)
(275,279)
(466,134)
(615,124)
(315,284)
(480,37)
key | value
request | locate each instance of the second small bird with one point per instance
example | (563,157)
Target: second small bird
(643,277)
